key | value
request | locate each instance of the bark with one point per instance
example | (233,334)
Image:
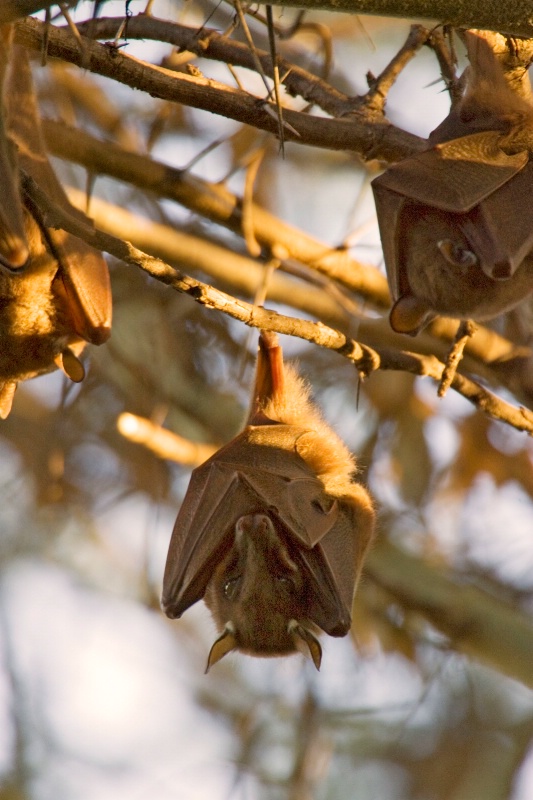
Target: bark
(512,18)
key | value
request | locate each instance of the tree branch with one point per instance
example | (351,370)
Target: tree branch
(282,240)
(365,359)
(515,19)
(376,139)
(216,203)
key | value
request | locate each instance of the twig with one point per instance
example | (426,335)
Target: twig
(376,97)
(163,443)
(72,26)
(465,331)
(251,45)
(275,74)
(447,63)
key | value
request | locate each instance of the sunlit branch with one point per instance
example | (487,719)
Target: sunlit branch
(365,359)
(235,272)
(216,203)
(284,241)
(163,443)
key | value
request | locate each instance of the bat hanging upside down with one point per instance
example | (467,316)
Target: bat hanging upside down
(456,220)
(55,292)
(273,530)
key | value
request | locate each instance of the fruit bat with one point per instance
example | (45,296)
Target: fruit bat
(54,288)
(273,530)
(456,220)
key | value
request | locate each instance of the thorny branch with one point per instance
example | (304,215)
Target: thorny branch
(365,359)
(297,81)
(380,139)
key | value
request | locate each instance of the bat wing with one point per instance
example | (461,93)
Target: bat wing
(13,246)
(217,496)
(332,570)
(475,181)
(83,284)
(389,206)
(454,176)
(242,478)
(500,230)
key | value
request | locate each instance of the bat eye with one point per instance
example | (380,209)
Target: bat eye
(231,587)
(457,255)
(285,583)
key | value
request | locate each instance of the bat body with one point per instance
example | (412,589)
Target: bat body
(54,289)
(273,530)
(456,221)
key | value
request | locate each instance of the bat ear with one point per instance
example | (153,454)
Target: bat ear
(7,392)
(222,646)
(409,315)
(71,365)
(306,642)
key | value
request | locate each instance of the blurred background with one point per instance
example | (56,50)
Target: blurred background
(100,695)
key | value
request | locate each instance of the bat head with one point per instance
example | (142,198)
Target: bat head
(439,272)
(257,596)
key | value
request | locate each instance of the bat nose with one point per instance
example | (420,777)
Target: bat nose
(502,271)
(253,524)
(260,523)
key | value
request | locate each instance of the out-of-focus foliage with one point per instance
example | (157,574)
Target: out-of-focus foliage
(99,695)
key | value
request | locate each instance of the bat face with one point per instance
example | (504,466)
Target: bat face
(439,272)
(455,220)
(273,530)
(258,592)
